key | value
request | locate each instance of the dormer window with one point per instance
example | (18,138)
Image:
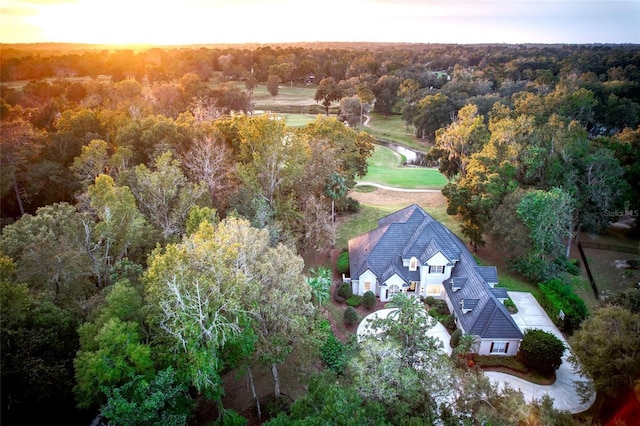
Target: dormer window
(438,269)
(457,283)
(467,305)
(413,264)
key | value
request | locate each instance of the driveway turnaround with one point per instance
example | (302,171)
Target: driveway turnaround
(531,315)
(438,331)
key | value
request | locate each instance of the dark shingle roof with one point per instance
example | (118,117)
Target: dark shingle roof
(488,273)
(500,293)
(409,232)
(489,319)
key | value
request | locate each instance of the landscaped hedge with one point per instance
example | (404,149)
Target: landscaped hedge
(559,296)
(369,299)
(354,301)
(454,340)
(344,290)
(440,311)
(338,298)
(342,264)
(494,361)
(350,315)
(449,322)
(541,351)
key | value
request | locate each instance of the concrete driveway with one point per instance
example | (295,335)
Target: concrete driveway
(531,315)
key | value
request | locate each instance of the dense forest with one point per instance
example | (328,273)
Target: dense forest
(153,225)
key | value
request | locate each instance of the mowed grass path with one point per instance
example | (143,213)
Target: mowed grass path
(385,168)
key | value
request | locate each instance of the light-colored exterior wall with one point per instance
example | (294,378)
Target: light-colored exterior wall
(358,286)
(430,283)
(485,347)
(437,259)
(393,280)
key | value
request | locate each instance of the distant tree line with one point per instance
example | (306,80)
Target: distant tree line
(138,204)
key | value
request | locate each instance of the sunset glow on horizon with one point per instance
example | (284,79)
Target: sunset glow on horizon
(172,22)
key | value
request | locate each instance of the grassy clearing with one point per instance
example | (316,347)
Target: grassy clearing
(291,100)
(384,168)
(298,120)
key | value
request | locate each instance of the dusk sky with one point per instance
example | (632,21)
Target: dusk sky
(176,22)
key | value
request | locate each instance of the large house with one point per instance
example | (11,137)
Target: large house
(411,252)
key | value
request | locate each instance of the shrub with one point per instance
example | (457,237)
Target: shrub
(333,353)
(569,265)
(354,301)
(558,296)
(541,351)
(350,316)
(511,307)
(344,290)
(493,361)
(449,322)
(347,204)
(430,300)
(342,264)
(455,338)
(369,300)
(338,298)
(442,308)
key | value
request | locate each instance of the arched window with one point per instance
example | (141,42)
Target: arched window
(393,290)
(413,264)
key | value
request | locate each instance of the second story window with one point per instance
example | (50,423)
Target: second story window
(436,269)
(413,264)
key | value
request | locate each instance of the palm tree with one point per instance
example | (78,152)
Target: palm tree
(320,283)
(408,308)
(409,323)
(468,344)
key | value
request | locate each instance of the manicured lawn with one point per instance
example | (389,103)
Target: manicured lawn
(359,223)
(291,100)
(384,168)
(286,95)
(298,120)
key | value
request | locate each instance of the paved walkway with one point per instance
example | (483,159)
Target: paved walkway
(531,315)
(392,188)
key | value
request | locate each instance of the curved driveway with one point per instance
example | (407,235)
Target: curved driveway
(531,315)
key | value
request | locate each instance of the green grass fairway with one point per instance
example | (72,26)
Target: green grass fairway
(286,95)
(393,128)
(298,120)
(384,168)
(296,100)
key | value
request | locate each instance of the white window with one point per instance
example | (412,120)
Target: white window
(367,286)
(499,347)
(413,264)
(434,289)
(436,269)
(393,290)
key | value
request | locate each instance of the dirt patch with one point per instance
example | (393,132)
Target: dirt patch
(608,273)
(383,197)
